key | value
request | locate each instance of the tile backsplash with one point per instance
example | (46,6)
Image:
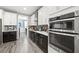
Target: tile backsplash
(9,27)
(39,28)
(33,28)
(43,28)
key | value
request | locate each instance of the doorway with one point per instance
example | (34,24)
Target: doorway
(22,27)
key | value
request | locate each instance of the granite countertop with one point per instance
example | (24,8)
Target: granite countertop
(41,32)
(9,30)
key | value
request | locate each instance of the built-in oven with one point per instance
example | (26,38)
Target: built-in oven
(63,41)
(64,31)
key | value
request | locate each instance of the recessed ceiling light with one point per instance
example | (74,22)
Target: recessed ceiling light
(24,8)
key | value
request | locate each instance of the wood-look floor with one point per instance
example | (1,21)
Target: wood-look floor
(22,45)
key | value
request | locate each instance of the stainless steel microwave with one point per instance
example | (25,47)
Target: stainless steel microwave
(66,22)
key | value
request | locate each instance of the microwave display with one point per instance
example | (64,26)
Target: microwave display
(66,25)
(63,42)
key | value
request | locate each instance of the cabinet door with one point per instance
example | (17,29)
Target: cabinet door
(40,41)
(32,36)
(12,36)
(10,18)
(32,20)
(36,38)
(7,18)
(43,14)
(45,43)
(5,37)
(13,20)
(1,13)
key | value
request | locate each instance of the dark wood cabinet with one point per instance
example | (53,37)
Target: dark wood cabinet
(45,43)
(40,40)
(9,36)
(5,37)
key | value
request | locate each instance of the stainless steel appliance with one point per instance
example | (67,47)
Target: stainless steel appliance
(64,31)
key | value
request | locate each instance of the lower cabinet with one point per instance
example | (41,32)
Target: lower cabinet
(9,36)
(40,40)
(45,43)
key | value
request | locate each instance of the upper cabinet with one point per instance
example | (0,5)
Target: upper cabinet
(10,18)
(33,20)
(1,13)
(44,13)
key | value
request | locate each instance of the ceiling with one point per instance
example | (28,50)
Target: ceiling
(26,10)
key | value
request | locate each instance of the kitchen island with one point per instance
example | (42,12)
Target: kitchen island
(9,36)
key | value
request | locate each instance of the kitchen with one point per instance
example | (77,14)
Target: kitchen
(48,29)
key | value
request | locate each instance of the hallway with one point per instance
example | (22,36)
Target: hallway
(22,45)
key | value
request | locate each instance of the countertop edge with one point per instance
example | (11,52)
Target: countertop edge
(41,32)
